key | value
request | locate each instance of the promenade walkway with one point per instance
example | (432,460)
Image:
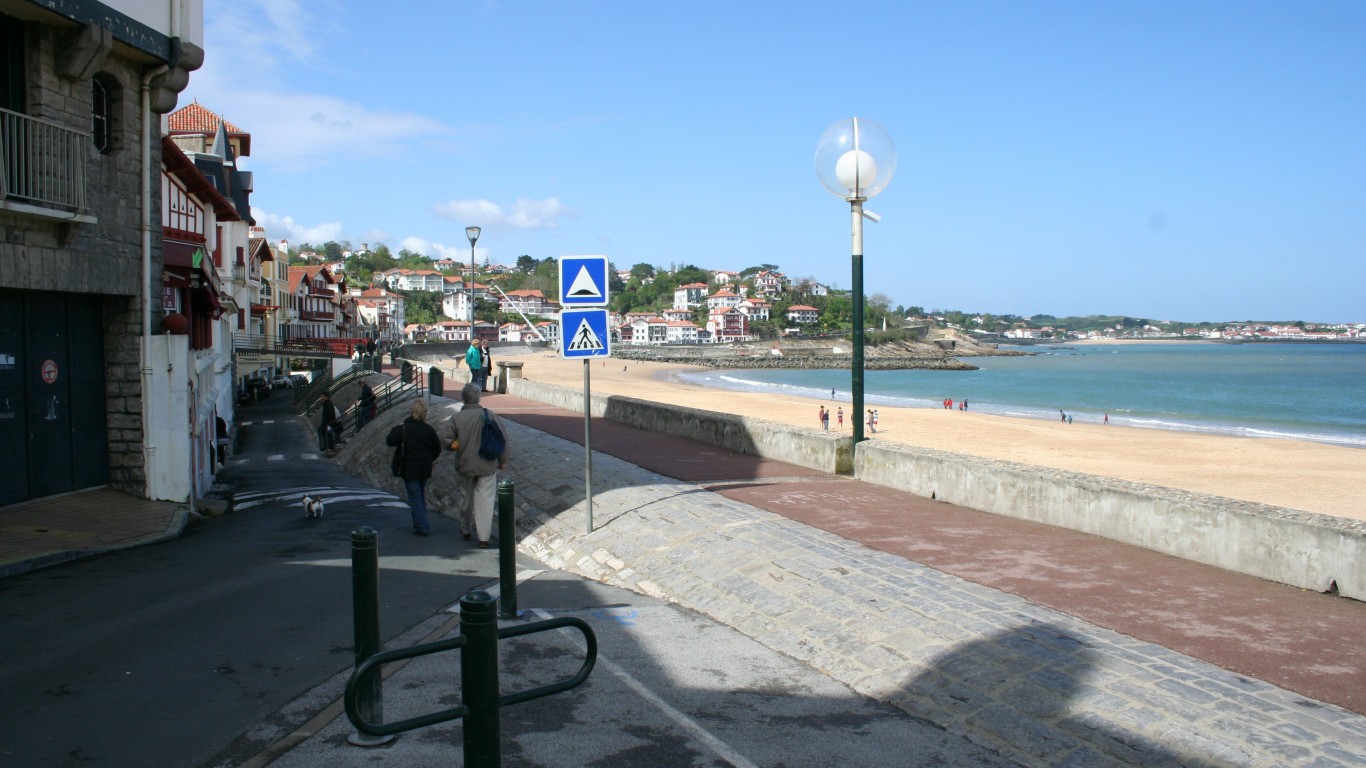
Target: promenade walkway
(1051,647)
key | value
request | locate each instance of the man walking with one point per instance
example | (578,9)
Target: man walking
(476,475)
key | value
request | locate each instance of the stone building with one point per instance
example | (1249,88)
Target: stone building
(82,86)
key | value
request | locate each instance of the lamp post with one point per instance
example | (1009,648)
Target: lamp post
(855,160)
(473,234)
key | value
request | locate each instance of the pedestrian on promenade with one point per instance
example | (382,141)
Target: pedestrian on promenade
(420,447)
(365,405)
(476,476)
(475,361)
(839,416)
(488,365)
(327,440)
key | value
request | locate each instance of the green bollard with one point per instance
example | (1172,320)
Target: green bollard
(365,609)
(479,680)
(507,553)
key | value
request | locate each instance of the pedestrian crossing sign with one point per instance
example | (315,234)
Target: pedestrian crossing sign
(583,281)
(583,333)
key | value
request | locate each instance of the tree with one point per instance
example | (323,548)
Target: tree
(526,264)
(642,272)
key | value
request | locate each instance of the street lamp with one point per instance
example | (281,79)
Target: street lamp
(473,232)
(855,159)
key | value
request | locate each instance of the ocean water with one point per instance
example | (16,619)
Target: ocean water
(1278,390)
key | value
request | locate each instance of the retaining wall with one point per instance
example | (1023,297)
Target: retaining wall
(1302,549)
(811,448)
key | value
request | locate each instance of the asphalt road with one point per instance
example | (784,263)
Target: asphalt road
(205,650)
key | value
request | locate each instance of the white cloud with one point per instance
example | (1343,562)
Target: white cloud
(436,251)
(286,228)
(524,214)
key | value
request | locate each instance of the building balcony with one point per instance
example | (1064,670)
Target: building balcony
(42,168)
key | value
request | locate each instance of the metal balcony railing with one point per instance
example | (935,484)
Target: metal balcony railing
(42,163)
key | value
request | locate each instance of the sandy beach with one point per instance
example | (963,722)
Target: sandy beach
(1306,476)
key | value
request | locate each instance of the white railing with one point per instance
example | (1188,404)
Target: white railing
(42,163)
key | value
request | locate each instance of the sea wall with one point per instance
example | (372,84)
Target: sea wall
(1302,549)
(811,448)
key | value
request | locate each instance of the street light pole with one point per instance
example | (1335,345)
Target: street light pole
(473,234)
(855,159)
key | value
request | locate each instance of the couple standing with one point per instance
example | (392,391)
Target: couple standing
(479,360)
(476,476)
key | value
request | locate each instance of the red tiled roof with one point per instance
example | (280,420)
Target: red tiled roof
(192,118)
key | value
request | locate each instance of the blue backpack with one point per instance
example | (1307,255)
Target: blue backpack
(491,442)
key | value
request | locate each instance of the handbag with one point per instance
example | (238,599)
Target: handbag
(396,464)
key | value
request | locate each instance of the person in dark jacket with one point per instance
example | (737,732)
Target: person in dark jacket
(365,405)
(420,449)
(327,438)
(488,366)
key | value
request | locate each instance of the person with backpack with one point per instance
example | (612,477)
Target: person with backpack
(481,445)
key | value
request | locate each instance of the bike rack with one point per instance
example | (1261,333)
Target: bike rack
(478,641)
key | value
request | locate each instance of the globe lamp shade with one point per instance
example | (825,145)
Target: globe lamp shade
(855,158)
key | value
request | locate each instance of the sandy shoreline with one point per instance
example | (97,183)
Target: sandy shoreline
(1300,475)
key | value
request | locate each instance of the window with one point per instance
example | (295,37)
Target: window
(101,115)
(103,105)
(12,81)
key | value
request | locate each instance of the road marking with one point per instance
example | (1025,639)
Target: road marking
(722,749)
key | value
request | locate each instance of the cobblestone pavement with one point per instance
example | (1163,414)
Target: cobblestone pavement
(1024,680)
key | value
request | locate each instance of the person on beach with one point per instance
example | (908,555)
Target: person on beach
(965,403)
(874,419)
(872,426)
(832,393)
(839,416)
(823,417)
(1062,416)
(1107,418)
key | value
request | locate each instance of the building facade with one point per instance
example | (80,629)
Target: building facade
(82,89)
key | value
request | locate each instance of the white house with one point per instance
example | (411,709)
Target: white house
(690,295)
(722,299)
(680,332)
(801,314)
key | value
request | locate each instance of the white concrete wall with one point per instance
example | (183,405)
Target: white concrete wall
(1302,549)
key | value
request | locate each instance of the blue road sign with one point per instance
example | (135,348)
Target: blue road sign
(583,333)
(583,281)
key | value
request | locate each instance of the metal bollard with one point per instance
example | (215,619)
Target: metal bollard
(365,609)
(507,552)
(479,680)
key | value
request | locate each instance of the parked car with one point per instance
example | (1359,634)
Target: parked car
(281,382)
(299,379)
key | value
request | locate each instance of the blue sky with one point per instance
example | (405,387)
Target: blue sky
(1196,161)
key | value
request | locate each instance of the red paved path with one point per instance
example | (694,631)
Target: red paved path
(1302,641)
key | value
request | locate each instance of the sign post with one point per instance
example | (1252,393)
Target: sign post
(584,334)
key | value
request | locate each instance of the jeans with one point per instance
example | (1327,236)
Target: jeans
(417,502)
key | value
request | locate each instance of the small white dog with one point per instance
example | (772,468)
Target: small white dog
(313,507)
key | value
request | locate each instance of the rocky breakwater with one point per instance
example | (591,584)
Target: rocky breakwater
(712,359)
(939,351)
